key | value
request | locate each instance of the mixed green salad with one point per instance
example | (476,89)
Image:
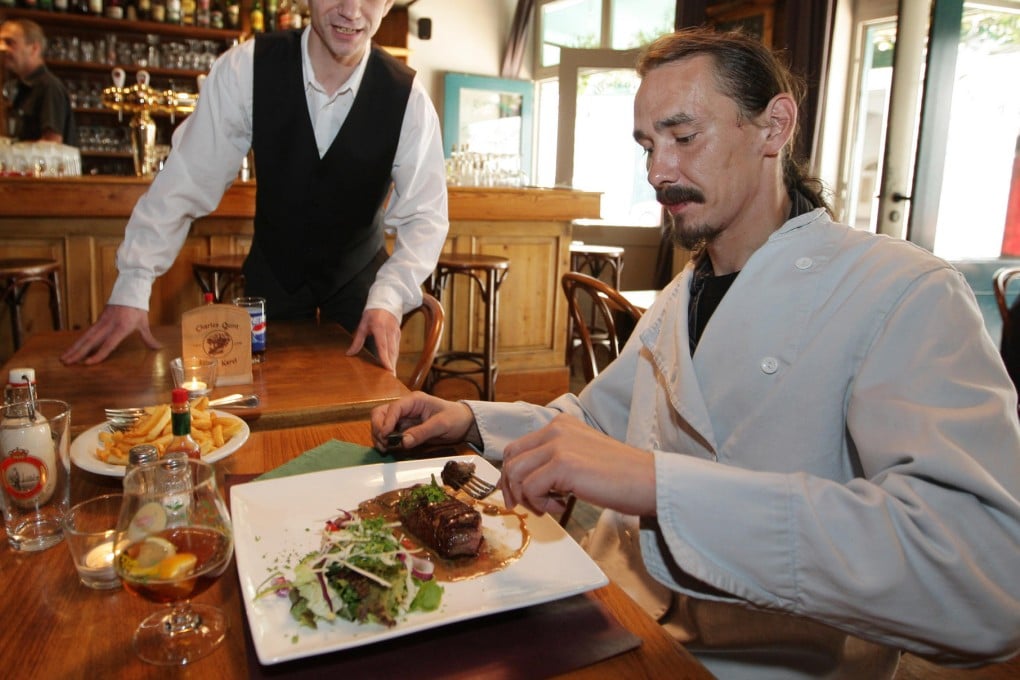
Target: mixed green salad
(361,573)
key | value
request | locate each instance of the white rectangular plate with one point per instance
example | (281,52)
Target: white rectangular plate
(276,521)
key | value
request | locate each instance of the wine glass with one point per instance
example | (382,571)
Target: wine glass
(173,541)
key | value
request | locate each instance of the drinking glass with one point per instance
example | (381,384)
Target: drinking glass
(195,374)
(173,541)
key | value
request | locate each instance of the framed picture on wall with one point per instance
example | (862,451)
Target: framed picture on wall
(753,17)
(488,115)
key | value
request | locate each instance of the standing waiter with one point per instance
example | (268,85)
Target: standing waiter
(346,141)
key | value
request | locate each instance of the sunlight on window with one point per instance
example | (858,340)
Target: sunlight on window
(570,23)
(638,22)
(983,128)
(606,158)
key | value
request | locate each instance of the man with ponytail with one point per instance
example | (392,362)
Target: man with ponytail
(808,450)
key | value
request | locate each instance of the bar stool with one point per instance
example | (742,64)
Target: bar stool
(592,260)
(488,273)
(218,274)
(596,259)
(17,275)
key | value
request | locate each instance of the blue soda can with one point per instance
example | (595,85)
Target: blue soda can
(256,307)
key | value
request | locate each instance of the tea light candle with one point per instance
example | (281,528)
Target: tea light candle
(98,562)
(195,386)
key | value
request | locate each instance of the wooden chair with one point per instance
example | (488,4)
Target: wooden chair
(593,260)
(594,306)
(16,275)
(1000,284)
(434,319)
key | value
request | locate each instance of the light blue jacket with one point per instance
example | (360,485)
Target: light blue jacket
(843,447)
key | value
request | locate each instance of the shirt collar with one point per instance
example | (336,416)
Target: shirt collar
(35,75)
(351,85)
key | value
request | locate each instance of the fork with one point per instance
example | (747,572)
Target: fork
(479,489)
(128,416)
(121,419)
(476,487)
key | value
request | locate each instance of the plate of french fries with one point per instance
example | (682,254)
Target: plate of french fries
(104,451)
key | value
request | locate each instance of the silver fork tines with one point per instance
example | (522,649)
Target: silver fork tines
(477,488)
(121,419)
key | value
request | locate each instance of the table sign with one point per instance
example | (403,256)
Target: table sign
(221,332)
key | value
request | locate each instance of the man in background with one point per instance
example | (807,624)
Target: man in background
(41,109)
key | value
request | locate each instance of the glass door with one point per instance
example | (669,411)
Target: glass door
(969,128)
(595,150)
(940,169)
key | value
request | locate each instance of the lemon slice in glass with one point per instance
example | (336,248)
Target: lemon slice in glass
(177,566)
(154,550)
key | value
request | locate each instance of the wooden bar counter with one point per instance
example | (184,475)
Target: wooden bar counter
(80,222)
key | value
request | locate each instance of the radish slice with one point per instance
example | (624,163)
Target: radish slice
(421,569)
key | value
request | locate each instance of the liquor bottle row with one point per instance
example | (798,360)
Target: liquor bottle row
(265,15)
(278,15)
(202,13)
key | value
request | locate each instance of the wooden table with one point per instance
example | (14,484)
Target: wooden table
(307,377)
(57,628)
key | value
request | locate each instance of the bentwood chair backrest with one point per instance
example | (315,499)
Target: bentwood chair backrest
(434,318)
(1000,284)
(594,306)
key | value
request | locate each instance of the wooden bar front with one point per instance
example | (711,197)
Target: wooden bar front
(80,223)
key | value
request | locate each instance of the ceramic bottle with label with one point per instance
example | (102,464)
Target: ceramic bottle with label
(28,459)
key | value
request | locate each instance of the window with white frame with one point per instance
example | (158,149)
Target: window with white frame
(594,150)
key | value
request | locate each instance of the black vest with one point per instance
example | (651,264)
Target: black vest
(315,218)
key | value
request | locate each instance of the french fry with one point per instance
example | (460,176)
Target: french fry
(162,419)
(209,429)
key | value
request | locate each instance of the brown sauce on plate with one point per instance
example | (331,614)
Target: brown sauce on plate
(493,554)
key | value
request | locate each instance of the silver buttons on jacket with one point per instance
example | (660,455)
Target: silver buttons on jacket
(804,263)
(769,365)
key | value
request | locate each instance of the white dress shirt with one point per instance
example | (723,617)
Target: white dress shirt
(207,151)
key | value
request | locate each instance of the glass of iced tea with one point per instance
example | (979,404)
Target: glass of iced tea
(173,541)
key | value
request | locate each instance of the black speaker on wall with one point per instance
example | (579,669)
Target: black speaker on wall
(424,28)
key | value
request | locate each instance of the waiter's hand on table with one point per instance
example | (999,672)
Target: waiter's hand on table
(423,419)
(385,328)
(114,324)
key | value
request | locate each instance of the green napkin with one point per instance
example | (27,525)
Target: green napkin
(328,456)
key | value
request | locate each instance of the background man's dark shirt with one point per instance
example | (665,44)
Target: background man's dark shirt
(41,104)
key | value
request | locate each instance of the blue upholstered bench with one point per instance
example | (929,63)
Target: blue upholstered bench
(979,275)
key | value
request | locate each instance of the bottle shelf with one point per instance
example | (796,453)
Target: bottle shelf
(105,154)
(97,23)
(93,67)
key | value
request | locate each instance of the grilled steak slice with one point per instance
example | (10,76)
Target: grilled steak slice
(456,473)
(445,524)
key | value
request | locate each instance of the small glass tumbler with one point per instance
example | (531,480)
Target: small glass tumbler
(195,374)
(88,529)
(256,307)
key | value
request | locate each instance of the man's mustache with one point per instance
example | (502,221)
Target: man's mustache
(678,194)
